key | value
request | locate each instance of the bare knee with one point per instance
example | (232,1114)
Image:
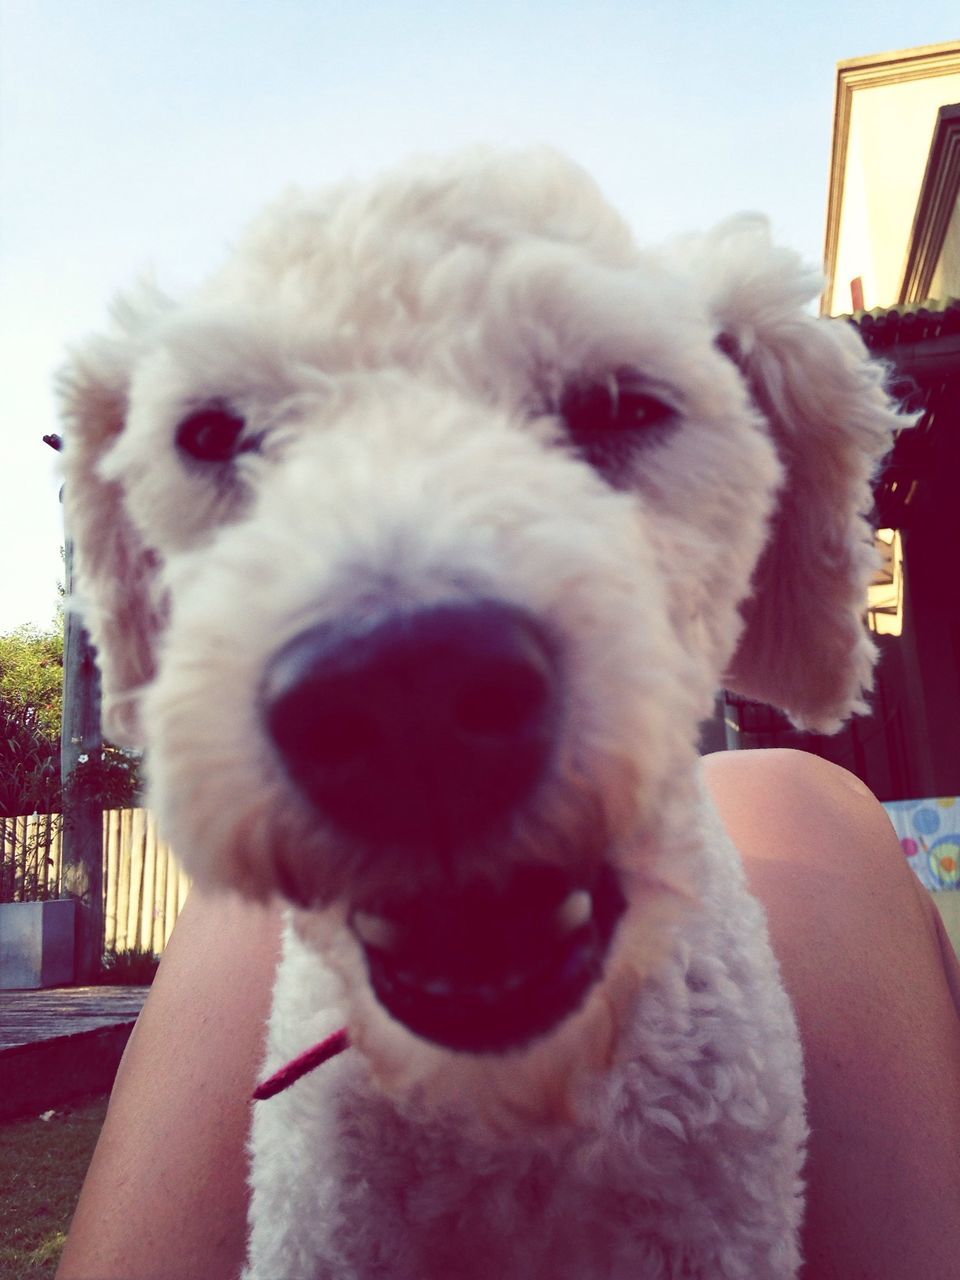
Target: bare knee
(791,806)
(856,938)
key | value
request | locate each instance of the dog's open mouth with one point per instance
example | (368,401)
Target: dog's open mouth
(486,970)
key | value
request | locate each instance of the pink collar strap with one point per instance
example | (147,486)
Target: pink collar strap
(307,1061)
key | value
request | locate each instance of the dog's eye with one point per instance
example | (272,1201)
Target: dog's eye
(211,434)
(620,402)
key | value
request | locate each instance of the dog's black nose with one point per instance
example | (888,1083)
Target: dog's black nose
(427,728)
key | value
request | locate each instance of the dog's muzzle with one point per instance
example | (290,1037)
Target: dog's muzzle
(418,737)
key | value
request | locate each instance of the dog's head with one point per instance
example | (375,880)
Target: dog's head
(415,543)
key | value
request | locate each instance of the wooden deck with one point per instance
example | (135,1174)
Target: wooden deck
(30,1017)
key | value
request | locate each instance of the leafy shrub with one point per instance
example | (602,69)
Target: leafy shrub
(133,968)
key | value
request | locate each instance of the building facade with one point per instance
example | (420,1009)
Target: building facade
(892,259)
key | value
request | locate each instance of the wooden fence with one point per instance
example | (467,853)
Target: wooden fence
(143,886)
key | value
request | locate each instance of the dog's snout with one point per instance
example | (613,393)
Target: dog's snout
(429,727)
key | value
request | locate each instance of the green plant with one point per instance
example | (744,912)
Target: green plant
(111,777)
(31,675)
(135,968)
(26,865)
(31,710)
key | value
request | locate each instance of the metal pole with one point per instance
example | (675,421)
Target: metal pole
(81,744)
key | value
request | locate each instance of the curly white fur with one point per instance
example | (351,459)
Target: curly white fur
(399,351)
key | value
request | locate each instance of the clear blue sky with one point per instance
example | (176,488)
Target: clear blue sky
(143,134)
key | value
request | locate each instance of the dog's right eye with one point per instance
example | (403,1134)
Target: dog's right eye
(621,403)
(211,434)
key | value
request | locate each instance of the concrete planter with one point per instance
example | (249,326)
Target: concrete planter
(36,944)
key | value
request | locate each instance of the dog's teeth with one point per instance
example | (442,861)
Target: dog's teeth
(575,911)
(374,930)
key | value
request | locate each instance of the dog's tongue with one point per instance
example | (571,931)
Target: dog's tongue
(488,969)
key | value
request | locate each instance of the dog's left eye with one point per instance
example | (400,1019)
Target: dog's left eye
(211,434)
(620,402)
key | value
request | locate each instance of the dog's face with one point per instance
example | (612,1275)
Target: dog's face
(418,541)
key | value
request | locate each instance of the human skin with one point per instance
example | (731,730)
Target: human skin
(875,987)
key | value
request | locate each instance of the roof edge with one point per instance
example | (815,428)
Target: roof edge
(869,72)
(918,53)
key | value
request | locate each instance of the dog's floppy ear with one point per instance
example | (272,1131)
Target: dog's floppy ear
(804,647)
(116,575)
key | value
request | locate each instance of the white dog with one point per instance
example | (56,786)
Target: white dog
(414,545)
